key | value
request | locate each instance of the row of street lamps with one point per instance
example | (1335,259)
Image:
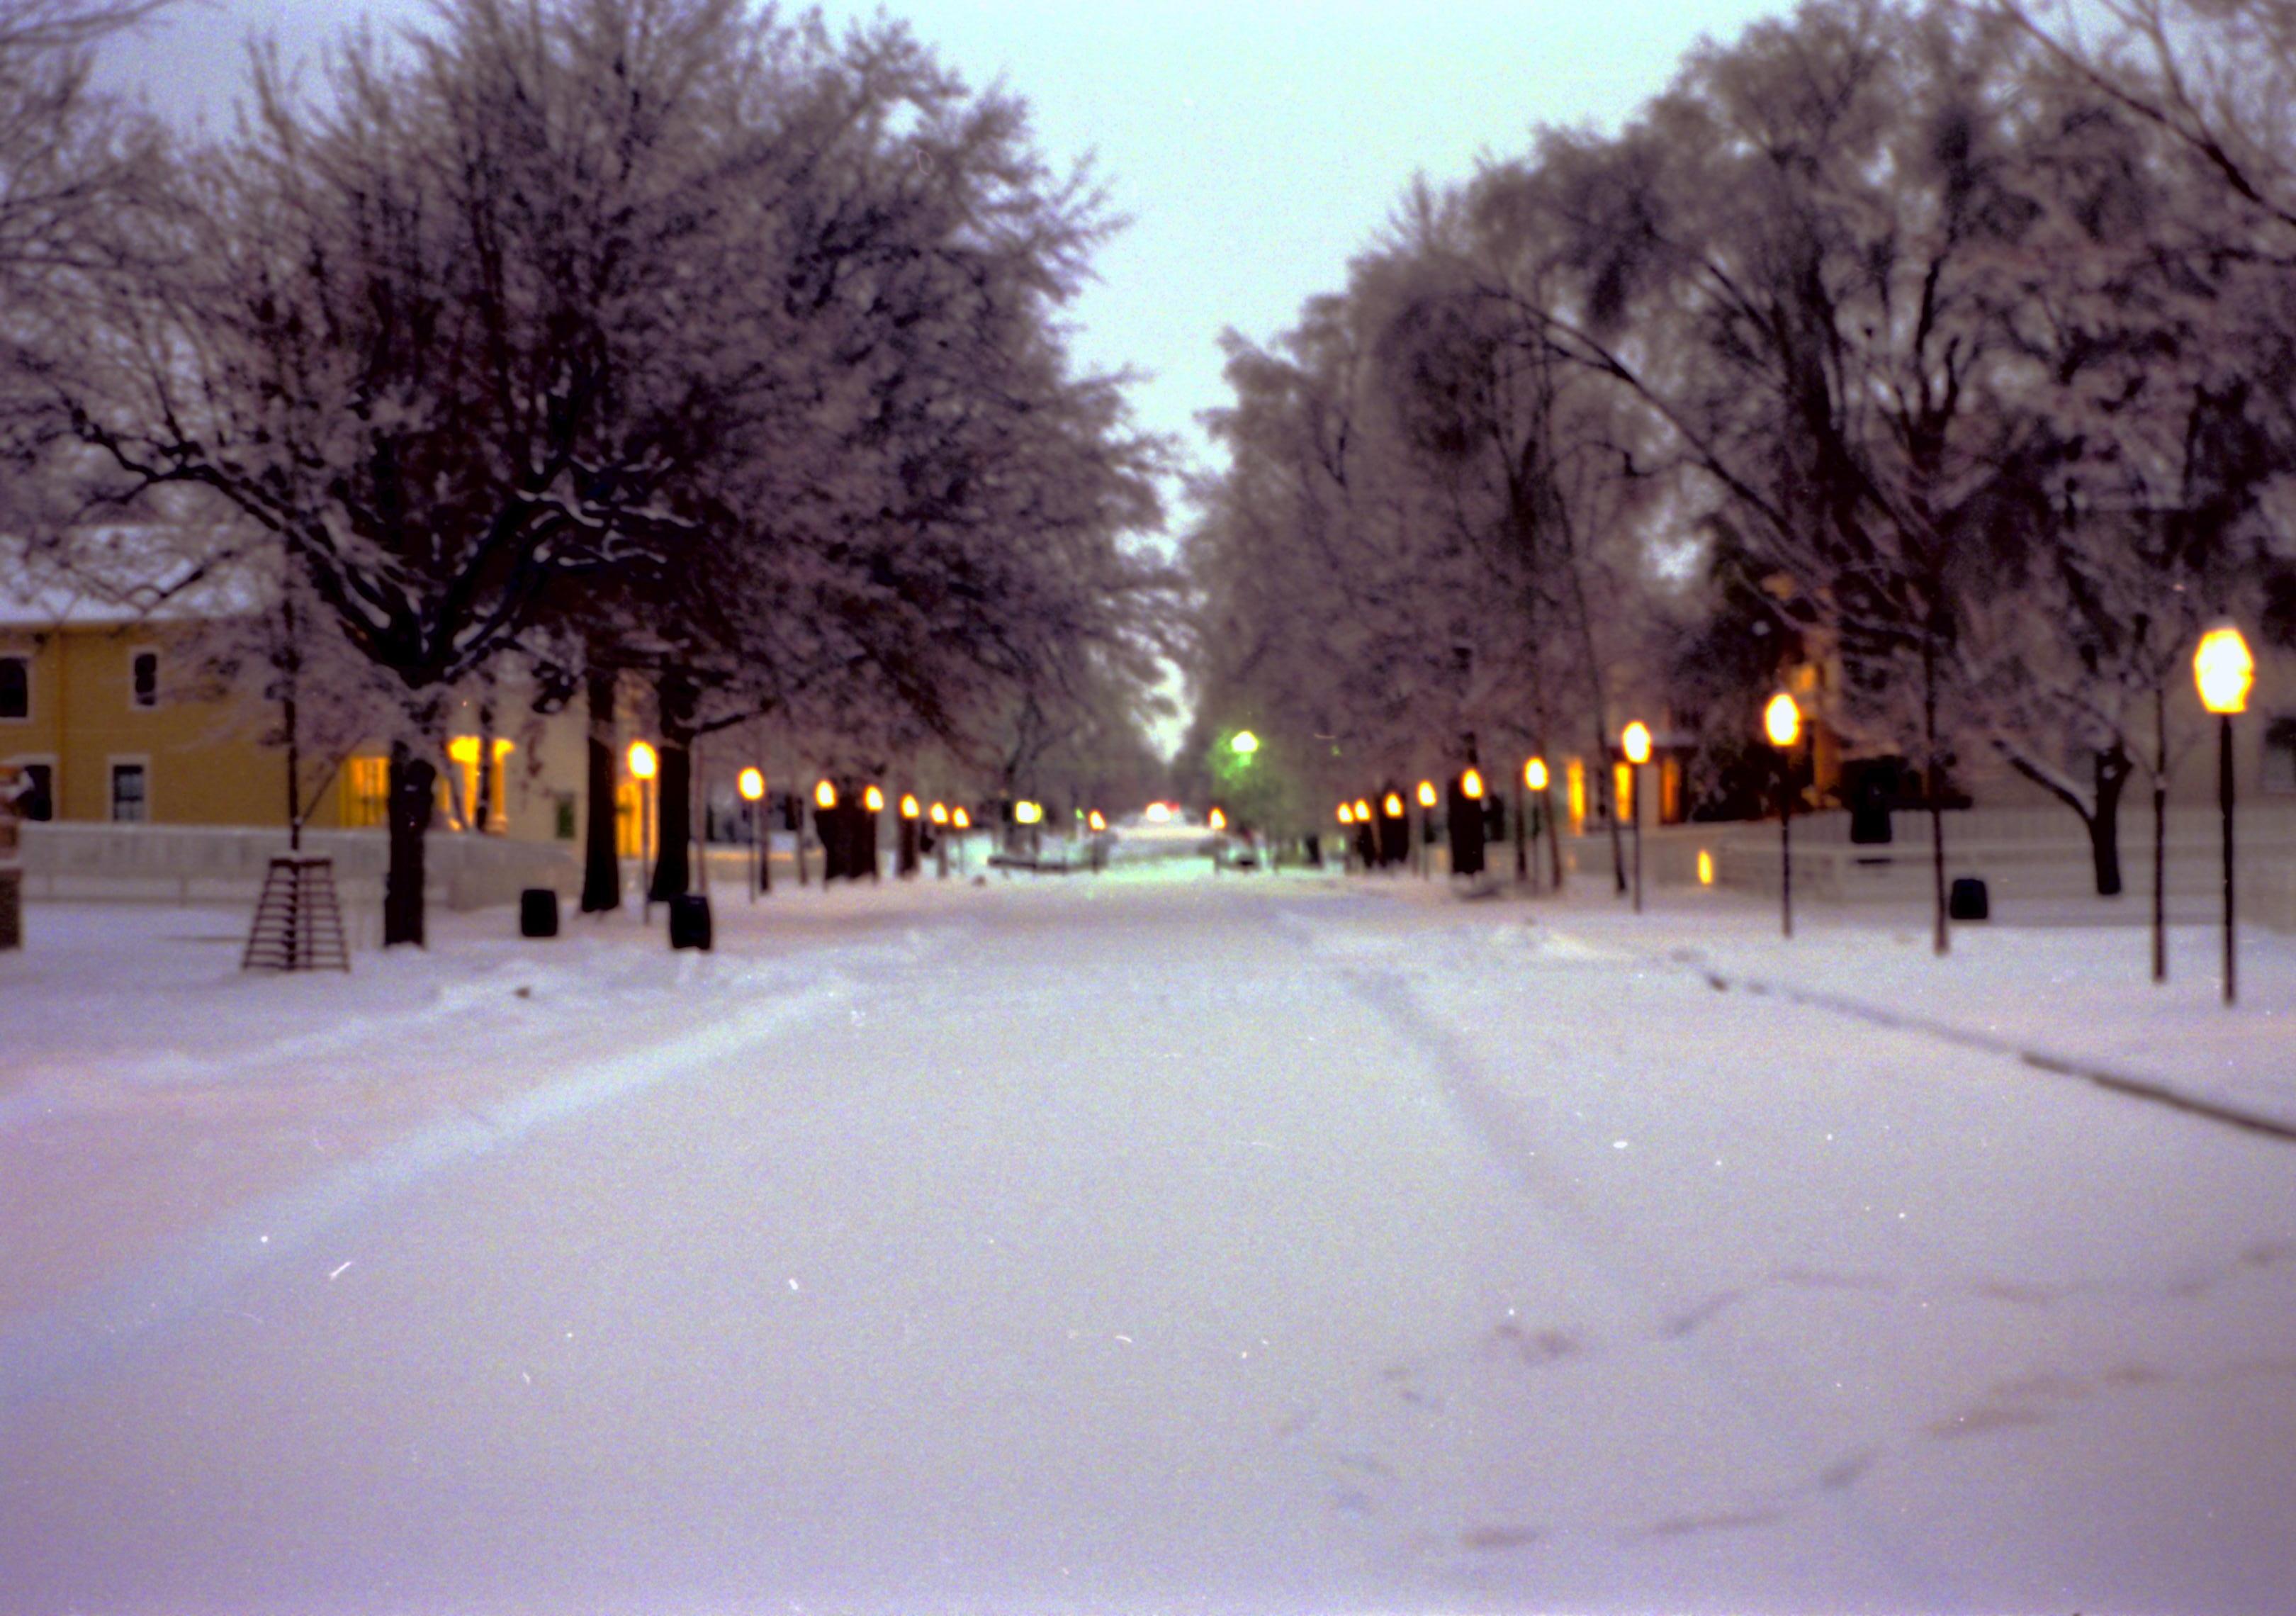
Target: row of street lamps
(2222,667)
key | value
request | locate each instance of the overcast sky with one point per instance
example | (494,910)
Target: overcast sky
(1255,145)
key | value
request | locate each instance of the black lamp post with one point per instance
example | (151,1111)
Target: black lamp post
(2224,670)
(1782,721)
(1635,741)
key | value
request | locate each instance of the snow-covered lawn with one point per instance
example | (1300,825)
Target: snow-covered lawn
(1151,1242)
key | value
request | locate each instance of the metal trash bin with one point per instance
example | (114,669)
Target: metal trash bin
(537,912)
(689,922)
(1966,899)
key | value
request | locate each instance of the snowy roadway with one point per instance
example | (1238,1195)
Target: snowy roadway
(1140,1244)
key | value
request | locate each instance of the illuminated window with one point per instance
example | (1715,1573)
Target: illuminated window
(1622,790)
(462,752)
(366,792)
(1670,789)
(1575,782)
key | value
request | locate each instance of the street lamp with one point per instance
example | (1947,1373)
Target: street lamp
(939,814)
(645,765)
(1216,820)
(1426,794)
(1534,779)
(1782,722)
(2224,671)
(874,800)
(1635,741)
(1244,744)
(751,783)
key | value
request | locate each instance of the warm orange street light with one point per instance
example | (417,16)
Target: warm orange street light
(1534,777)
(961,820)
(1347,814)
(2224,670)
(874,800)
(1217,820)
(1096,820)
(645,765)
(1781,723)
(1027,813)
(939,814)
(909,809)
(1363,810)
(1635,741)
(824,795)
(1393,807)
(1470,785)
(1533,774)
(751,783)
(1426,793)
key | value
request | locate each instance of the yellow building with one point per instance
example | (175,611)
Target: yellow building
(107,713)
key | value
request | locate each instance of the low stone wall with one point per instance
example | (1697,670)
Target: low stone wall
(2021,854)
(224,863)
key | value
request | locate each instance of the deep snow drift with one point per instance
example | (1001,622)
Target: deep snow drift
(1152,1241)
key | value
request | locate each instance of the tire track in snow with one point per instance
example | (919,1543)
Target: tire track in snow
(103,1327)
(1510,1136)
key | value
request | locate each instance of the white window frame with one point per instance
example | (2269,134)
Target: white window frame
(143,651)
(31,708)
(112,765)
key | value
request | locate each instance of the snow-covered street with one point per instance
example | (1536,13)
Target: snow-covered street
(1158,1242)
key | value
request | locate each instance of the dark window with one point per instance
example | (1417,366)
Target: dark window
(128,805)
(144,678)
(15,687)
(38,797)
(562,825)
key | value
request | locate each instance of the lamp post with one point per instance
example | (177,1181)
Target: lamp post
(1782,722)
(1534,778)
(939,814)
(2224,670)
(824,801)
(960,821)
(751,783)
(1635,741)
(644,766)
(1426,794)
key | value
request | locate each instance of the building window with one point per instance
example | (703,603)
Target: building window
(144,678)
(130,803)
(15,687)
(366,792)
(2280,755)
(561,824)
(36,793)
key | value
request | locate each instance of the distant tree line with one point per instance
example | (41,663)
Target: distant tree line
(569,347)
(1947,347)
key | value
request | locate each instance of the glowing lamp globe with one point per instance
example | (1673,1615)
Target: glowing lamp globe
(751,783)
(1027,813)
(961,820)
(1635,741)
(643,762)
(873,799)
(939,814)
(1533,774)
(1393,806)
(1426,793)
(1217,820)
(1347,814)
(824,795)
(1781,720)
(2224,670)
(1096,820)
(1244,744)
(1471,786)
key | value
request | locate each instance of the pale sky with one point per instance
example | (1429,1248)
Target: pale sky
(1256,146)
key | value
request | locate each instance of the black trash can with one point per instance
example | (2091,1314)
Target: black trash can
(689,922)
(1966,899)
(538,912)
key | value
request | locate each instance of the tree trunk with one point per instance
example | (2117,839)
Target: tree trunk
(602,861)
(2105,822)
(412,781)
(1942,940)
(674,694)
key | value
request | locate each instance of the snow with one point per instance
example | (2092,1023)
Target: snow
(1153,1240)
